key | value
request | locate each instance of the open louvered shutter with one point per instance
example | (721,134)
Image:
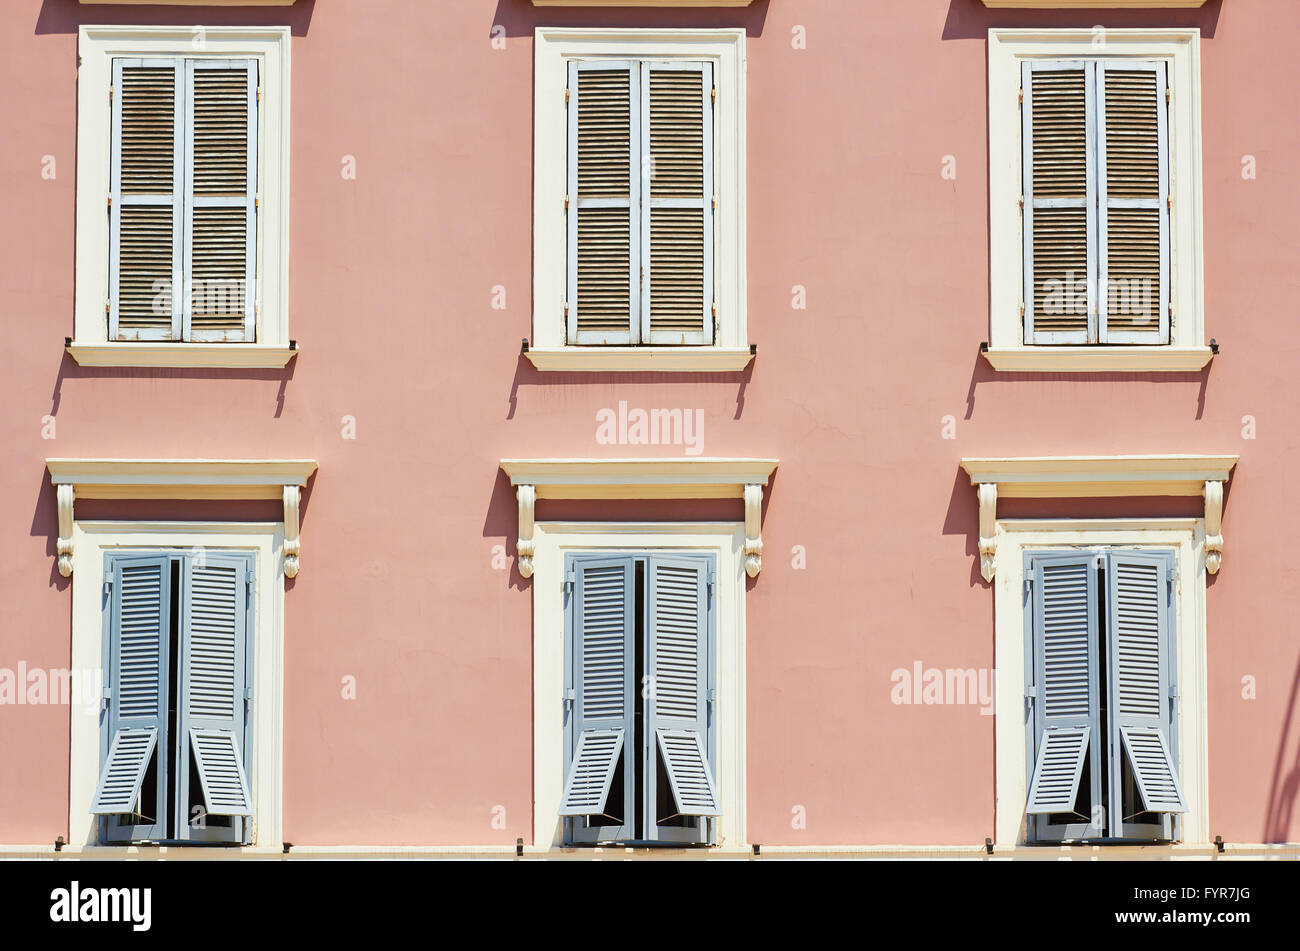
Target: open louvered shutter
(677,200)
(220,200)
(600,675)
(214,667)
(1065,665)
(604,181)
(139,595)
(1141,673)
(146,214)
(1059,183)
(680,671)
(1133,199)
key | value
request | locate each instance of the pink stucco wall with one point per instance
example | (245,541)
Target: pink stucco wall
(391,286)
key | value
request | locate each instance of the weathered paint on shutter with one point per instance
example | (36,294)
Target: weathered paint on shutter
(137,657)
(220,200)
(213,678)
(145,215)
(599,676)
(1065,681)
(677,198)
(1141,675)
(1059,184)
(1133,199)
(680,681)
(603,280)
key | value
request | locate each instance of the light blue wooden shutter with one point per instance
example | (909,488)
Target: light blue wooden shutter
(1133,200)
(677,203)
(599,681)
(138,620)
(146,219)
(679,690)
(1141,675)
(604,199)
(1065,686)
(1059,183)
(220,200)
(213,680)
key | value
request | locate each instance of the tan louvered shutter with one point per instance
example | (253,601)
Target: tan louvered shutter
(1133,186)
(220,200)
(1059,193)
(677,216)
(145,188)
(603,203)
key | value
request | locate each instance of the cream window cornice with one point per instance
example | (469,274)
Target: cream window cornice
(1062,477)
(1092,4)
(703,478)
(281,479)
(640,3)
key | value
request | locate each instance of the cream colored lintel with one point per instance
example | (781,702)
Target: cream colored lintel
(230,355)
(1091,4)
(703,478)
(1099,359)
(630,3)
(640,359)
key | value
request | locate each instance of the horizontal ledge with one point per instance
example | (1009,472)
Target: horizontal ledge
(1040,477)
(230,355)
(1098,359)
(1092,4)
(635,3)
(643,359)
(198,3)
(703,478)
(180,478)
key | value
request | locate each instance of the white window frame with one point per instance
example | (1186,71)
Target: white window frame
(554,48)
(98,46)
(724,539)
(91,540)
(1179,49)
(1186,537)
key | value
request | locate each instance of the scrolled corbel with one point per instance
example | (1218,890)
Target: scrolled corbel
(988,497)
(1213,493)
(66,496)
(753,530)
(525,546)
(292,546)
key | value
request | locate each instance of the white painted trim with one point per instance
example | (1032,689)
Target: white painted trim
(1180,49)
(1187,537)
(145,354)
(608,3)
(553,48)
(1088,4)
(97,46)
(180,478)
(640,359)
(1057,477)
(726,540)
(91,539)
(695,478)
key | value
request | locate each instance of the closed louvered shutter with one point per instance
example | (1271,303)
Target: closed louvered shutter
(677,200)
(146,215)
(1067,705)
(1133,186)
(1140,665)
(599,681)
(214,675)
(604,202)
(1059,183)
(220,199)
(680,679)
(139,598)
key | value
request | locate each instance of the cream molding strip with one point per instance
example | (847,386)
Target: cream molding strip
(1091,4)
(703,478)
(281,479)
(1091,477)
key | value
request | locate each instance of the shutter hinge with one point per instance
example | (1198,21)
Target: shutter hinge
(566,308)
(105,698)
(110,92)
(712,579)
(1022,309)
(715,202)
(1021,100)
(713,94)
(715,310)
(1168,95)
(248,587)
(259,93)
(569,580)
(1029,586)
(110,201)
(1031,691)
(711,696)
(108,586)
(1169,201)
(566,202)
(257,201)
(248,698)
(566,93)
(108,307)
(1021,202)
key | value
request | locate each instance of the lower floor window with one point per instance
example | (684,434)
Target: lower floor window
(640,694)
(175,734)
(1102,694)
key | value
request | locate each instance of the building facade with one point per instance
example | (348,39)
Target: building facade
(811,426)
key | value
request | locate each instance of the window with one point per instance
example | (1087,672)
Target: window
(1095,201)
(183,133)
(640,689)
(176,740)
(639,201)
(1101,688)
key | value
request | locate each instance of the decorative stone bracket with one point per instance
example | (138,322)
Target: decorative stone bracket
(1061,477)
(702,478)
(281,479)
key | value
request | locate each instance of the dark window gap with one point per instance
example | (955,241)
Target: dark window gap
(639,825)
(172,686)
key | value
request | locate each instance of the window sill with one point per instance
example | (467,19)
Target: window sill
(641,359)
(231,355)
(1098,359)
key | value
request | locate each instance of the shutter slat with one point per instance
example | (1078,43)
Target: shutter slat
(591,773)
(689,775)
(123,775)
